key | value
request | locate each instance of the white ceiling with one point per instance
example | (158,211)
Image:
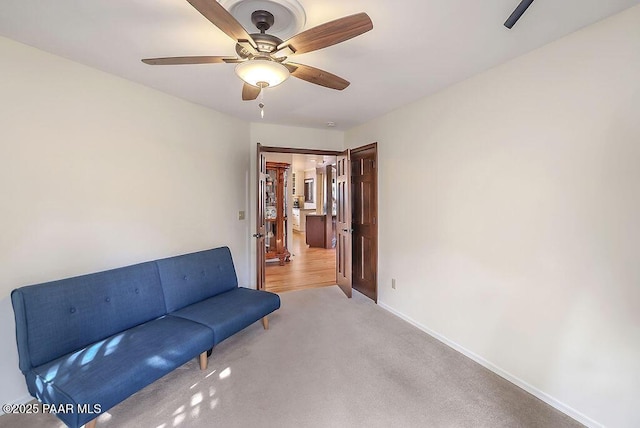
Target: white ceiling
(416,48)
(307,162)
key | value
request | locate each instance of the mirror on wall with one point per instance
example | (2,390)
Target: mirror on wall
(309,190)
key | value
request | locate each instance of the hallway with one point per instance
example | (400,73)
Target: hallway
(308,268)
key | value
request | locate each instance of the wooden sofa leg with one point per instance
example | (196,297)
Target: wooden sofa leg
(265,323)
(203,361)
(91,423)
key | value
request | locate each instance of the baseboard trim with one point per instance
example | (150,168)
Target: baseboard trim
(22,400)
(569,411)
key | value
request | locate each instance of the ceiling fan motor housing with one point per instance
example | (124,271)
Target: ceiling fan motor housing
(267,43)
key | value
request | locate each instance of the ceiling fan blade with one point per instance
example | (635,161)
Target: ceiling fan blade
(317,76)
(218,15)
(517,13)
(177,60)
(250,92)
(329,34)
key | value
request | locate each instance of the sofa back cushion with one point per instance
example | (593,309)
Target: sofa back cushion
(56,318)
(197,276)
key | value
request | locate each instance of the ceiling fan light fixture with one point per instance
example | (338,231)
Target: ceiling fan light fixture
(262,72)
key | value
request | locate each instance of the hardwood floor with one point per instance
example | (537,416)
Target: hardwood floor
(308,268)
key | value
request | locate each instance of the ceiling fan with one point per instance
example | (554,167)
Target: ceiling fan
(262,59)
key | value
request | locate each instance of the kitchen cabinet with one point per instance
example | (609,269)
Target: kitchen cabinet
(300,218)
(315,230)
(317,234)
(296,219)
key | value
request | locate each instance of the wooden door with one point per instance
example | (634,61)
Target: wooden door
(261,183)
(343,222)
(330,221)
(364,222)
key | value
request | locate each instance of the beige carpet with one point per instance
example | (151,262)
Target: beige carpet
(327,361)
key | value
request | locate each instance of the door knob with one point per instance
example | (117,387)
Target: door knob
(258,235)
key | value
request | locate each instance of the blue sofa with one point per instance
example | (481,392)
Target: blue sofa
(87,343)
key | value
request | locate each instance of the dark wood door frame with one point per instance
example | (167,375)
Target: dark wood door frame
(269,149)
(260,183)
(290,150)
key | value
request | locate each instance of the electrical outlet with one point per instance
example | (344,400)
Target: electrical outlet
(240,215)
(393,283)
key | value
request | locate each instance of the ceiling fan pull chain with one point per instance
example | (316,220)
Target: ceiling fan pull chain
(261,104)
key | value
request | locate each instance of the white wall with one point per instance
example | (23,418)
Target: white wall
(295,137)
(97,172)
(509,215)
(289,137)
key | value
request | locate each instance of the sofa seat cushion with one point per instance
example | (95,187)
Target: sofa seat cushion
(112,369)
(230,312)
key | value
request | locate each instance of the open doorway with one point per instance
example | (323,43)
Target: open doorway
(300,221)
(342,198)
